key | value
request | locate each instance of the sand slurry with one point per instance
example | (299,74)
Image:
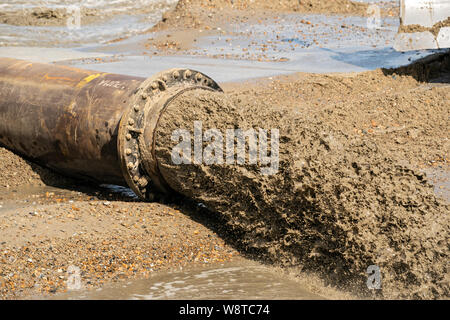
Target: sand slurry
(337,204)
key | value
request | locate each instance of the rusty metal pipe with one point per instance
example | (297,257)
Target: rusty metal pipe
(88,124)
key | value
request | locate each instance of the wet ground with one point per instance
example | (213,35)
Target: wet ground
(120,18)
(441,182)
(278,44)
(281,45)
(241,281)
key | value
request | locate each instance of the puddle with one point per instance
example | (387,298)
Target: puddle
(123,192)
(241,281)
(440,178)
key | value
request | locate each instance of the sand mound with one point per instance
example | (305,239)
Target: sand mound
(316,6)
(15,171)
(45,17)
(419,28)
(425,69)
(336,205)
(195,13)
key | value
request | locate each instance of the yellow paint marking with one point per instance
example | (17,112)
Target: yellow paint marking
(47,77)
(88,79)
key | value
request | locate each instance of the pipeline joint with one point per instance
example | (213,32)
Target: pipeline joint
(138,124)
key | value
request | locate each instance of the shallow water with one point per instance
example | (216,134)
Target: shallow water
(327,44)
(108,5)
(349,54)
(119,26)
(324,44)
(127,19)
(243,280)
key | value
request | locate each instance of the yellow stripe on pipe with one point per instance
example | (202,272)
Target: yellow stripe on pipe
(88,79)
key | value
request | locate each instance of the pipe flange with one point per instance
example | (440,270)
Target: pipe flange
(137,159)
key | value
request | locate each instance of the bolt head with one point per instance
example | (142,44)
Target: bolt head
(143,182)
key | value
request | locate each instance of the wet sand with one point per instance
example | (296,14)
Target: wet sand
(45,17)
(108,236)
(418,28)
(41,14)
